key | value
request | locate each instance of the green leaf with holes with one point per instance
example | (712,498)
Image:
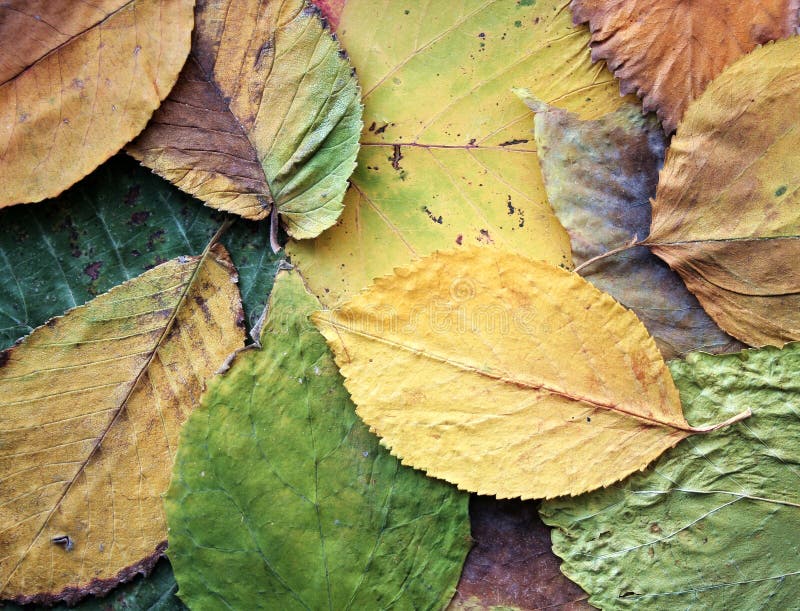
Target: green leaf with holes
(282,499)
(714,523)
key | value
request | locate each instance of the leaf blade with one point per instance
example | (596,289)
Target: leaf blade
(121,366)
(83,83)
(280,133)
(470,367)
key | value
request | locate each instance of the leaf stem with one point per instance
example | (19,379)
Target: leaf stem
(714,427)
(273,231)
(634,241)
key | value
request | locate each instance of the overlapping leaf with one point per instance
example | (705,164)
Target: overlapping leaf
(600,176)
(447,157)
(266,115)
(90,408)
(111,227)
(510,565)
(78,81)
(282,499)
(726,214)
(505,375)
(667,51)
(713,524)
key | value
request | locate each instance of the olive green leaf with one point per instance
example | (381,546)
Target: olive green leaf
(714,523)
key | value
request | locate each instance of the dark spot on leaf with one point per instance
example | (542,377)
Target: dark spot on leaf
(431,215)
(93,270)
(132,196)
(781,190)
(482,35)
(382,128)
(138,218)
(485,237)
(459,239)
(203,305)
(511,208)
(372,127)
(396,156)
(135,253)
(517,24)
(513,142)
(155,238)
(655,528)
(588,419)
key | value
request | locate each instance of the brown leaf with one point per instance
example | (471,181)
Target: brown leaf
(667,51)
(511,563)
(77,81)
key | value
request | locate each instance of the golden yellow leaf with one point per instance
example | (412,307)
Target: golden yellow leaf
(90,409)
(447,156)
(77,81)
(266,114)
(667,51)
(727,211)
(505,375)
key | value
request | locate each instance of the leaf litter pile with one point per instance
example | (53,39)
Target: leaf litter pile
(357,304)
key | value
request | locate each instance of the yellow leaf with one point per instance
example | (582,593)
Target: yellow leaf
(77,81)
(505,375)
(447,155)
(727,211)
(90,409)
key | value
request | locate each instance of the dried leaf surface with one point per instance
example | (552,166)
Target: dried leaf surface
(77,81)
(667,51)
(600,175)
(282,499)
(727,211)
(714,523)
(447,156)
(511,564)
(505,375)
(266,114)
(90,409)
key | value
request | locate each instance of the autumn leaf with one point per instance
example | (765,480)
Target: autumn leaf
(726,214)
(600,176)
(266,114)
(282,499)
(447,157)
(505,375)
(109,228)
(510,565)
(78,81)
(90,408)
(667,51)
(713,524)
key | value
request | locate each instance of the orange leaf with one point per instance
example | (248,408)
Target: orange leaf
(667,51)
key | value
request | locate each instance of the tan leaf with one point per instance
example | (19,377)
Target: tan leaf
(505,375)
(266,112)
(667,51)
(90,409)
(77,81)
(727,211)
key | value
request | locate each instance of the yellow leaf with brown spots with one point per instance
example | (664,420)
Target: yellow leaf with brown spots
(447,156)
(78,80)
(91,405)
(505,375)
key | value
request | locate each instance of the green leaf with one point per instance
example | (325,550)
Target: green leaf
(600,176)
(109,228)
(282,499)
(156,592)
(714,523)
